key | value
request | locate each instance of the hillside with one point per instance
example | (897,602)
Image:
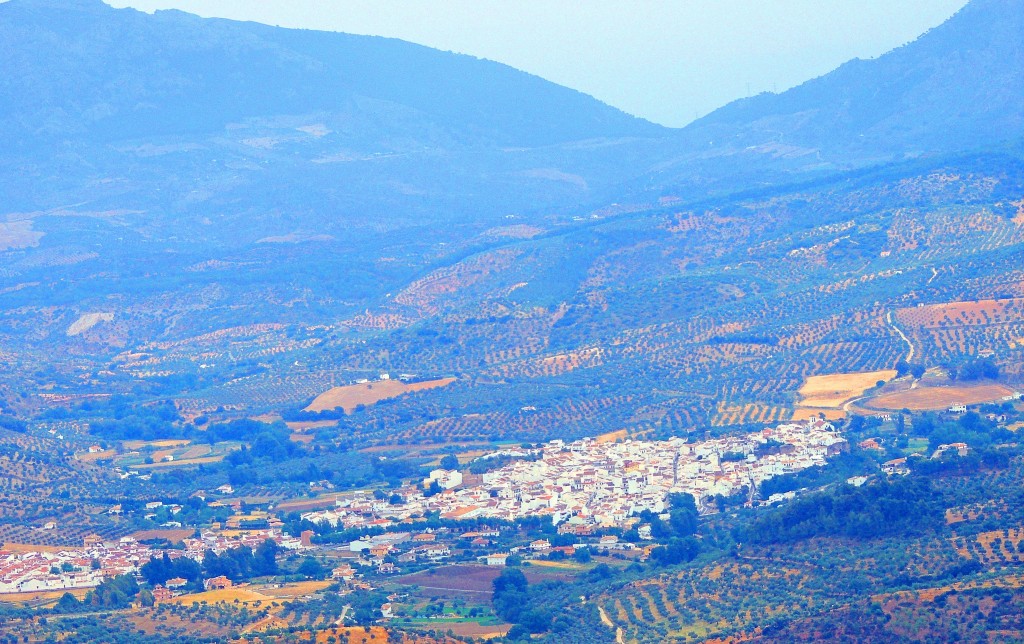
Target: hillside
(87,70)
(956,87)
(181,120)
(291,243)
(260,283)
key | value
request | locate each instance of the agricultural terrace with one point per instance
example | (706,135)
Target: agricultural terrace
(351,396)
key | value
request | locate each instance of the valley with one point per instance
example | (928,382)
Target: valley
(464,355)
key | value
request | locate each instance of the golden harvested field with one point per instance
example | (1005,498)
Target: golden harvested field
(368,393)
(833,390)
(611,437)
(930,398)
(23,547)
(41,597)
(225,596)
(297,589)
(807,413)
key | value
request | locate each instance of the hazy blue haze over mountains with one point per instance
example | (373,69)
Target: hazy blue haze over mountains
(86,69)
(249,173)
(93,84)
(959,86)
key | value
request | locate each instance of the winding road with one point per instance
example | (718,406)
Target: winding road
(910,353)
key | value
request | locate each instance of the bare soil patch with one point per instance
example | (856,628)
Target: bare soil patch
(931,398)
(171,535)
(833,390)
(368,393)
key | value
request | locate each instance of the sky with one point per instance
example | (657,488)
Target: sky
(669,61)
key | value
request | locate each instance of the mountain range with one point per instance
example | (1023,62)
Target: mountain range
(245,270)
(301,178)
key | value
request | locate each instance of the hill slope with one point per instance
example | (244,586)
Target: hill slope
(957,87)
(85,69)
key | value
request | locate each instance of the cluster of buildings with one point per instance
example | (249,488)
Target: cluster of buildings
(587,483)
(86,567)
(32,571)
(219,542)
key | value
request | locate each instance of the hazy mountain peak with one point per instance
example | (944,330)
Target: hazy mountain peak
(957,86)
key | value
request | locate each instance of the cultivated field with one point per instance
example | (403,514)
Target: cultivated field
(171,535)
(929,398)
(225,596)
(368,393)
(612,437)
(455,579)
(40,598)
(375,634)
(808,413)
(180,452)
(293,590)
(832,391)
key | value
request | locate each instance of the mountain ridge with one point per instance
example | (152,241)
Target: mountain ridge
(902,102)
(219,70)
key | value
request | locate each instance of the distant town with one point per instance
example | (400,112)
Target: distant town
(582,486)
(588,483)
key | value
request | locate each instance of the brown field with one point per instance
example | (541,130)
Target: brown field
(470,581)
(301,503)
(170,534)
(961,313)
(368,393)
(105,455)
(807,413)
(459,578)
(930,398)
(611,437)
(197,451)
(226,596)
(474,629)
(27,547)
(833,390)
(137,445)
(182,462)
(375,634)
(297,589)
(41,597)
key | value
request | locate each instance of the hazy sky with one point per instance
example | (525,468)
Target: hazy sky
(665,61)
